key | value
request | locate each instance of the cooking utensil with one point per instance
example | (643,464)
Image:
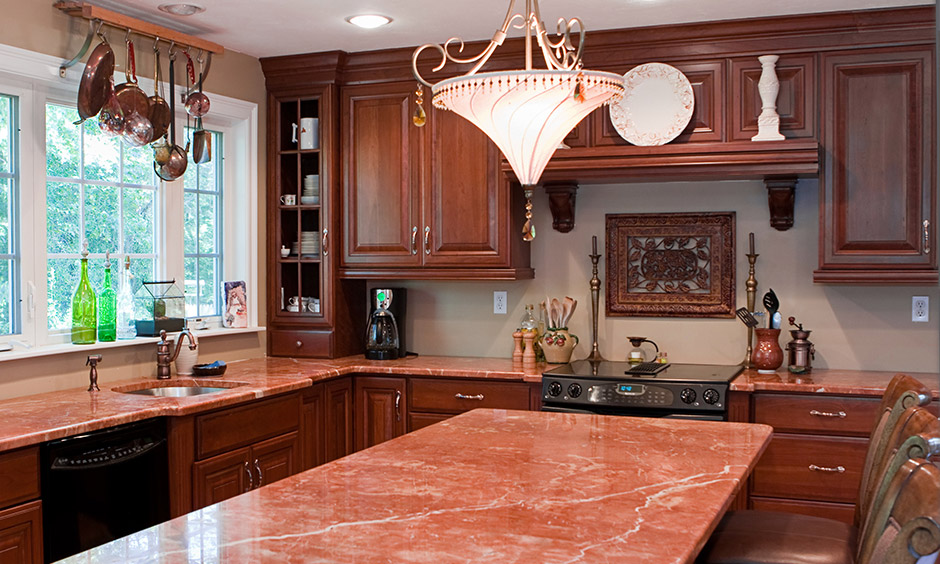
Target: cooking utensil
(96,85)
(569,307)
(158,110)
(745,316)
(177,160)
(771,304)
(138,130)
(202,141)
(197,103)
(111,116)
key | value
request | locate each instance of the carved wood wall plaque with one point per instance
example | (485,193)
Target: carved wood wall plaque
(671,264)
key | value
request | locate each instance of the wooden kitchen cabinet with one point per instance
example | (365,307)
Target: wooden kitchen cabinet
(434,399)
(245,447)
(20,508)
(336,326)
(424,202)
(814,462)
(380,410)
(877,185)
(327,422)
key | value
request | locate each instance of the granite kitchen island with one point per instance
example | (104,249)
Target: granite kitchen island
(486,486)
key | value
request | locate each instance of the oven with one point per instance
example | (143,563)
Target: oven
(686,391)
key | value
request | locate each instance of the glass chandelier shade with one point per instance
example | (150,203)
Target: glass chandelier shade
(527,113)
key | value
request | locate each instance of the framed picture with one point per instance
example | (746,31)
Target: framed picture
(670,264)
(235,301)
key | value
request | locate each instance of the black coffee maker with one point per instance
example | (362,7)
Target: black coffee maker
(386,327)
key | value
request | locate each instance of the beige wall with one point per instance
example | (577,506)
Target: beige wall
(853,327)
(37,26)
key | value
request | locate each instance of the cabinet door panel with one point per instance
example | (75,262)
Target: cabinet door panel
(382,160)
(274,459)
(877,182)
(221,477)
(21,534)
(338,418)
(19,476)
(463,199)
(380,407)
(785,470)
(314,443)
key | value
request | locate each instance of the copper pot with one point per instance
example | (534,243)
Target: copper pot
(159,110)
(138,130)
(96,86)
(176,158)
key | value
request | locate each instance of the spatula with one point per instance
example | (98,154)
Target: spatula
(746,316)
(772,304)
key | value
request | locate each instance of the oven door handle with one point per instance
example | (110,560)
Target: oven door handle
(559,409)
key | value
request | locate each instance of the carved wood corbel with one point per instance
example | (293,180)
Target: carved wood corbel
(781,192)
(561,199)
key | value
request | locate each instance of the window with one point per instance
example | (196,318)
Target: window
(202,233)
(100,191)
(9,172)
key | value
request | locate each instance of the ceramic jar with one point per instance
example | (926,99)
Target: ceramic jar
(557,344)
(767,355)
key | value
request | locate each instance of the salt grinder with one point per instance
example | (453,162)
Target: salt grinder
(800,352)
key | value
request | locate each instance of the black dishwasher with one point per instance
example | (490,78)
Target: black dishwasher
(103,485)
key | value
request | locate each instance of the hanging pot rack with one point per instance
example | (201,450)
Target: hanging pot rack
(98,16)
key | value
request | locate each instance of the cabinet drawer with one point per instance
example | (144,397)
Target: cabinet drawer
(421,420)
(239,426)
(456,396)
(784,469)
(825,415)
(301,343)
(19,476)
(844,512)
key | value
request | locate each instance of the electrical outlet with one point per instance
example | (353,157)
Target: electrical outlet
(499,302)
(919,309)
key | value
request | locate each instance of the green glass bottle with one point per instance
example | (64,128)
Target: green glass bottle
(84,318)
(107,321)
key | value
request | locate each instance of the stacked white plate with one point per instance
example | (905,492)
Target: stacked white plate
(309,243)
(311,193)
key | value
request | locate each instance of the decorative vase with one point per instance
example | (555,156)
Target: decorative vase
(767,355)
(768,122)
(557,345)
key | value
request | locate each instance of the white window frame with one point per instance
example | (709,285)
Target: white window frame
(34,78)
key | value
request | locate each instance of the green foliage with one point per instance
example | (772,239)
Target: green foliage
(6,215)
(6,133)
(6,297)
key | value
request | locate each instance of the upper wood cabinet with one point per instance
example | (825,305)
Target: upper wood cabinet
(424,202)
(877,186)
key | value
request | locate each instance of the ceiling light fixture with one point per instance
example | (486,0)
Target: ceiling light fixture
(527,113)
(181,9)
(369,21)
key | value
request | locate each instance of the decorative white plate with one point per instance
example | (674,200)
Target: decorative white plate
(657,105)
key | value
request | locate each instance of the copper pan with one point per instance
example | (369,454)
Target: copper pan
(176,159)
(94,89)
(138,130)
(159,113)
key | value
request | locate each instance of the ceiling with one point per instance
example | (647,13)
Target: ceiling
(265,28)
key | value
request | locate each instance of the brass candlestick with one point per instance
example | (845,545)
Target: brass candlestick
(751,297)
(595,355)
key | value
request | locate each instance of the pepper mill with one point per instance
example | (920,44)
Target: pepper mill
(528,355)
(517,347)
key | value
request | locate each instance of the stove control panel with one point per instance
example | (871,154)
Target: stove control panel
(631,395)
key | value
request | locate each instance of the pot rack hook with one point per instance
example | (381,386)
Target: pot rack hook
(171,52)
(92,31)
(127,36)
(156,44)
(203,71)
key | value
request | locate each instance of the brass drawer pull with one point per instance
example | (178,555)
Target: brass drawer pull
(251,481)
(839,414)
(325,242)
(414,240)
(397,405)
(926,236)
(837,469)
(427,240)
(478,397)
(260,475)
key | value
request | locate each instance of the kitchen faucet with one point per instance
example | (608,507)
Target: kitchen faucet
(163,352)
(93,360)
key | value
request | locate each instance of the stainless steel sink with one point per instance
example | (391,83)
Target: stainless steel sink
(177,391)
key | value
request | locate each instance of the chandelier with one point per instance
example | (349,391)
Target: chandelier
(528,112)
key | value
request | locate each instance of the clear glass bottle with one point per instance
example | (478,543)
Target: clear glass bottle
(84,313)
(528,322)
(107,306)
(126,324)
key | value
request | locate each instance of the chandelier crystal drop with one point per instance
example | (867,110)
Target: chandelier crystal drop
(527,113)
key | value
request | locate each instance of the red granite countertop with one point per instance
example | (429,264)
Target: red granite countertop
(486,486)
(829,381)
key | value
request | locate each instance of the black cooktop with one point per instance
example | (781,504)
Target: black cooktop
(672,373)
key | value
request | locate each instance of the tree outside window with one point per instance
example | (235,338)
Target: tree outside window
(202,233)
(9,177)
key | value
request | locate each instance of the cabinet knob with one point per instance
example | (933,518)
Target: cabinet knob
(300,344)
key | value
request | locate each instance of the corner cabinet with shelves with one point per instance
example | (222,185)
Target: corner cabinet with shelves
(426,202)
(310,313)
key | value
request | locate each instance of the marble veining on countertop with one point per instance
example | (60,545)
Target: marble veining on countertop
(827,381)
(486,486)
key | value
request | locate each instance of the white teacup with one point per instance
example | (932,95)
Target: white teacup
(289,199)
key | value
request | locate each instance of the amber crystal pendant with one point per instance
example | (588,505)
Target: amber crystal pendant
(528,228)
(419,118)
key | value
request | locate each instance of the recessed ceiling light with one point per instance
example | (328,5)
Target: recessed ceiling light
(181,9)
(369,21)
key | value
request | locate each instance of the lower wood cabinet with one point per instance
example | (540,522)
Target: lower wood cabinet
(380,410)
(814,462)
(245,447)
(327,422)
(20,508)
(434,399)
